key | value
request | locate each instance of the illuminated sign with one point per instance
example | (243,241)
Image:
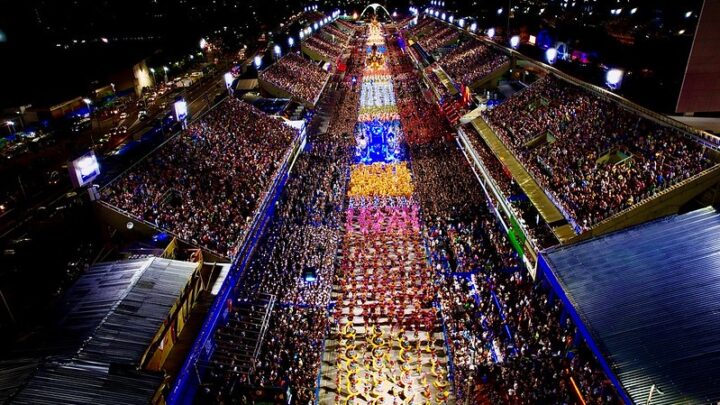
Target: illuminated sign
(84,169)
(180,110)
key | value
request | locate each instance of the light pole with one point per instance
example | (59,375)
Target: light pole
(88,102)
(152,70)
(165,69)
(507,35)
(11,127)
(277,51)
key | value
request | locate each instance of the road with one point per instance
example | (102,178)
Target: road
(199,97)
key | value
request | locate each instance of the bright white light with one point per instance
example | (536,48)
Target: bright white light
(500,11)
(688,14)
(10,123)
(258,61)
(276,49)
(614,77)
(451,19)
(87,101)
(152,70)
(87,166)
(515,41)
(551,55)
(315,26)
(443,16)
(104,40)
(491,32)
(228,79)
(461,23)
(633,11)
(681,32)
(203,43)
(473,27)
(291,41)
(165,68)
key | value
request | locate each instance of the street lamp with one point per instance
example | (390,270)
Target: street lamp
(277,51)
(291,42)
(165,68)
(152,70)
(11,126)
(88,102)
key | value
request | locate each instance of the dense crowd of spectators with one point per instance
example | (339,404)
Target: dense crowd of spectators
(419,119)
(443,35)
(298,76)
(324,46)
(508,341)
(472,61)
(508,338)
(336,32)
(425,24)
(593,155)
(347,27)
(538,229)
(205,184)
(303,235)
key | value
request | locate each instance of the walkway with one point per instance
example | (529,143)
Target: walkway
(386,343)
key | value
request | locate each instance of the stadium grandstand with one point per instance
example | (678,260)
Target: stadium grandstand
(406,212)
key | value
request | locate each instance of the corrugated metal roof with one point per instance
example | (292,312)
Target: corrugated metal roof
(118,307)
(91,298)
(125,333)
(85,383)
(650,298)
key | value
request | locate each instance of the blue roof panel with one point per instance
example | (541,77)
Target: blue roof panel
(649,297)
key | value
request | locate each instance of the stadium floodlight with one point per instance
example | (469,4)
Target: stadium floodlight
(491,32)
(258,61)
(451,19)
(514,41)
(291,42)
(551,55)
(461,23)
(203,43)
(443,16)
(500,10)
(87,101)
(633,11)
(473,27)
(614,77)
(277,50)
(315,26)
